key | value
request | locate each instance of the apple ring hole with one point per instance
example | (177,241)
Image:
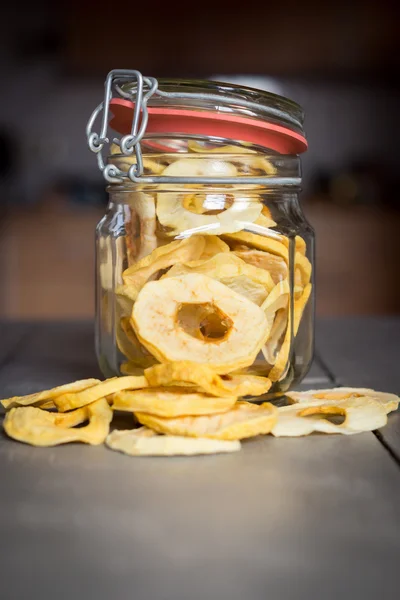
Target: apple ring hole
(204,322)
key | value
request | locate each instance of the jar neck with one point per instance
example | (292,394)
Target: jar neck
(195,166)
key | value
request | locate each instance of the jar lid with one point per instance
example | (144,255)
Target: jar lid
(226,125)
(145,107)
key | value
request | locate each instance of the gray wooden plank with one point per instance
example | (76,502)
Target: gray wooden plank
(284,518)
(365,352)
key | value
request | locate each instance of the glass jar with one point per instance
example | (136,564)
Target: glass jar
(204,254)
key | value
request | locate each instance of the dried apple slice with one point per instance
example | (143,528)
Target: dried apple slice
(242,421)
(130,346)
(171,402)
(162,258)
(135,444)
(389,402)
(194,317)
(360,414)
(213,245)
(267,243)
(250,281)
(205,378)
(276,308)
(279,369)
(40,428)
(102,390)
(211,213)
(41,397)
(275,265)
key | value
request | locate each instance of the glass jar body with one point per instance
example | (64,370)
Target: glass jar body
(218,275)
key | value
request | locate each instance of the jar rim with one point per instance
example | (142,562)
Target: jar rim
(293,111)
(215,108)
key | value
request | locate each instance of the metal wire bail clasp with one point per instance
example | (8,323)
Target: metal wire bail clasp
(142,90)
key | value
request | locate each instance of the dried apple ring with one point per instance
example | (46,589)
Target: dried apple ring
(194,317)
(280,366)
(162,258)
(276,308)
(303,265)
(300,245)
(171,402)
(275,265)
(247,384)
(145,209)
(360,414)
(40,428)
(213,245)
(388,401)
(125,162)
(211,213)
(111,258)
(102,390)
(42,397)
(255,162)
(136,444)
(250,281)
(203,376)
(130,346)
(128,368)
(242,421)
(268,243)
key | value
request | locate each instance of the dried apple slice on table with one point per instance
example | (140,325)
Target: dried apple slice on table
(40,428)
(144,442)
(242,421)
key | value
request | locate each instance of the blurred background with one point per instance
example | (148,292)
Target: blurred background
(340,61)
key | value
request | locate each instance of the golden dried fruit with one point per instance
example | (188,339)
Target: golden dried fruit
(134,444)
(162,258)
(266,240)
(276,308)
(247,287)
(300,245)
(209,213)
(124,303)
(130,346)
(303,265)
(171,402)
(360,414)
(248,164)
(40,428)
(388,401)
(247,384)
(242,421)
(203,376)
(111,252)
(40,398)
(145,209)
(128,368)
(102,390)
(275,265)
(280,367)
(213,245)
(251,282)
(194,317)
(124,162)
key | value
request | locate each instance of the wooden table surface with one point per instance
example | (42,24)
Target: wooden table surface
(307,518)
